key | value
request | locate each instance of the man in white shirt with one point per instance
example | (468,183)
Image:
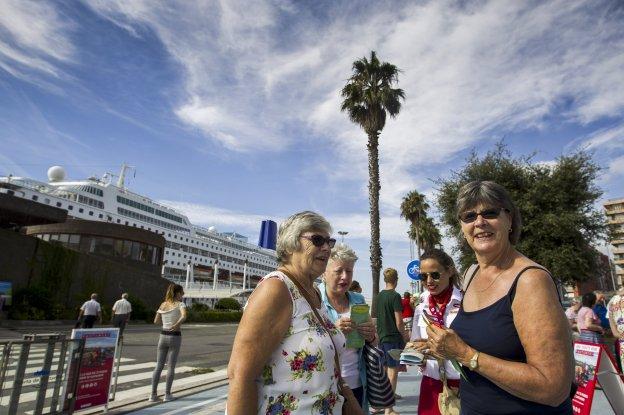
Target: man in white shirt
(91,311)
(121,313)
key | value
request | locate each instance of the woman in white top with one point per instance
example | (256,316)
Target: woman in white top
(440,302)
(283,357)
(172,313)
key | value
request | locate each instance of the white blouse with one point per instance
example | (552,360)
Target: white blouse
(170,317)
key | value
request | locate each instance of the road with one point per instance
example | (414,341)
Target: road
(203,345)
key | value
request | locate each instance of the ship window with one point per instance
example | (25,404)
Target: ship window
(70,207)
(59,204)
(46,201)
(90,213)
(118,220)
(126,251)
(35,197)
(81,210)
(100,216)
(126,223)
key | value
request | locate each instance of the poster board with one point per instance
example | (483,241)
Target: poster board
(96,367)
(595,365)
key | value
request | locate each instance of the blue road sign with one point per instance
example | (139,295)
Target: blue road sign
(413,269)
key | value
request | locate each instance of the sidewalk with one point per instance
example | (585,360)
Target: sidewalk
(212,401)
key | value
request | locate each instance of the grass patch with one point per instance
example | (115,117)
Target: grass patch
(202,370)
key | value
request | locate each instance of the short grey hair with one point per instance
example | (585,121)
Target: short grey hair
(343,252)
(490,194)
(124,295)
(293,227)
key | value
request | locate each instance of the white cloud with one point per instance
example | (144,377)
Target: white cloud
(33,36)
(608,138)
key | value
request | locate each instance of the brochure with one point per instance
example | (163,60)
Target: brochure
(359,315)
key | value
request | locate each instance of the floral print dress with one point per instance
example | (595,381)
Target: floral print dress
(300,376)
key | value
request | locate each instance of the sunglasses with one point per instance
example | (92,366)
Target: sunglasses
(435,275)
(472,215)
(319,241)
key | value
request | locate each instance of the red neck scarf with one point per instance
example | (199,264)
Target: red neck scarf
(437,311)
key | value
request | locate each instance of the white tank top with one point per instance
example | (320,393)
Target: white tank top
(170,317)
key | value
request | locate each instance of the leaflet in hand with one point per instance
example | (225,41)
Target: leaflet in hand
(411,357)
(359,315)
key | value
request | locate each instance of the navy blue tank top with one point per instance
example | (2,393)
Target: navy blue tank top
(491,330)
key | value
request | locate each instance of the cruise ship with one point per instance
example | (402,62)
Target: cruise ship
(190,250)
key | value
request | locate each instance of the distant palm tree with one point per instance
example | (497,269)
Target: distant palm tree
(414,209)
(368,97)
(427,234)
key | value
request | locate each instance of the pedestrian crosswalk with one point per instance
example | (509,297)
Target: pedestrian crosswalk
(134,380)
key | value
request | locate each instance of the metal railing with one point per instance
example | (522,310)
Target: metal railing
(21,368)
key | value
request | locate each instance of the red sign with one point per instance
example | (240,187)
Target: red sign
(96,368)
(594,364)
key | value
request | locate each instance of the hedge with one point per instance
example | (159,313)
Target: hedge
(213,316)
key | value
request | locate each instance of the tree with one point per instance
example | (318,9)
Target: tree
(422,228)
(369,96)
(556,202)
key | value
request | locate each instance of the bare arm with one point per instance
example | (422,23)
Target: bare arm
(547,375)
(589,323)
(263,326)
(181,320)
(157,317)
(398,318)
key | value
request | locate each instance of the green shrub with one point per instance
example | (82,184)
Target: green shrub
(32,303)
(199,307)
(140,310)
(213,316)
(227,304)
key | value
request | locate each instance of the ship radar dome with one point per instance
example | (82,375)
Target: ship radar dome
(212,229)
(56,174)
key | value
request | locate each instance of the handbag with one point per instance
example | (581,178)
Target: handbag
(350,405)
(378,388)
(448,399)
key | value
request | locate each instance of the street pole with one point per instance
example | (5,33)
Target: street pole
(244,274)
(216,275)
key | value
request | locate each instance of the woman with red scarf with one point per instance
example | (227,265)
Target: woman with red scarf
(440,304)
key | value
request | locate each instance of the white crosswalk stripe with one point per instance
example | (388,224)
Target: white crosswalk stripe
(129,373)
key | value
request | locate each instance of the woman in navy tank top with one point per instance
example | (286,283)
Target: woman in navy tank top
(510,334)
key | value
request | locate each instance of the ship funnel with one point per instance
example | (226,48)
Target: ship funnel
(268,234)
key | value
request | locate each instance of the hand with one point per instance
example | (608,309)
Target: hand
(418,345)
(367,330)
(446,344)
(175,327)
(345,325)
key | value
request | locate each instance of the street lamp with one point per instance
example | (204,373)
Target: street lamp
(342,235)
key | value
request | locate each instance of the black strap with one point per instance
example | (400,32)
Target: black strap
(512,290)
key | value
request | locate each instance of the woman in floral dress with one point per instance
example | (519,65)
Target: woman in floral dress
(283,360)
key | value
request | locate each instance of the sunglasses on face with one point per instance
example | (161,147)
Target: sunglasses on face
(472,215)
(319,240)
(435,275)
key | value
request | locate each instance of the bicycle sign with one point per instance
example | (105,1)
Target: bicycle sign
(413,269)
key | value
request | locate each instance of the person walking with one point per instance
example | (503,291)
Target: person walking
(600,308)
(172,313)
(588,322)
(408,311)
(90,311)
(121,313)
(390,328)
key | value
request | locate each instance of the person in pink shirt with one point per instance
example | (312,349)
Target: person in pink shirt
(588,322)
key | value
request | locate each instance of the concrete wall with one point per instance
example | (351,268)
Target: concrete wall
(72,276)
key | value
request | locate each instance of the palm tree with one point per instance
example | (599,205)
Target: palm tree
(369,97)
(426,233)
(414,209)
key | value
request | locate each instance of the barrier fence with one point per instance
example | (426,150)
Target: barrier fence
(38,374)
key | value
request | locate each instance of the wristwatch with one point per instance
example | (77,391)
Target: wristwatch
(474,362)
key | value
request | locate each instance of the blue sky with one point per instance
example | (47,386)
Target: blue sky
(230,110)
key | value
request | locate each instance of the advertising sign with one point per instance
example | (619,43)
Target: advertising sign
(413,269)
(6,294)
(96,368)
(593,364)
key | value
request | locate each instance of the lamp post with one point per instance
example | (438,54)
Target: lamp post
(342,235)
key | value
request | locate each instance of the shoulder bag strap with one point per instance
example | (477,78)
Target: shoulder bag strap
(470,273)
(304,293)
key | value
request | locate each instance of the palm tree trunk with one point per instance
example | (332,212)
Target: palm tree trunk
(373,195)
